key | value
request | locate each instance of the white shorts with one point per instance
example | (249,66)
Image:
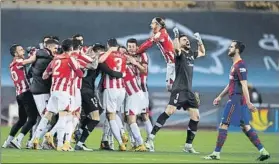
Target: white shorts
(170,76)
(135,104)
(59,101)
(113,99)
(76,101)
(41,101)
(146,102)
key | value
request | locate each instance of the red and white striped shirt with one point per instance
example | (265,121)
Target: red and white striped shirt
(117,62)
(64,69)
(83,60)
(142,77)
(18,74)
(130,81)
(164,42)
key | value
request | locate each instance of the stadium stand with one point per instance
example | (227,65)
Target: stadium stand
(153,4)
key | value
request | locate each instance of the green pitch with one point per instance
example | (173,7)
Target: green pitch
(168,145)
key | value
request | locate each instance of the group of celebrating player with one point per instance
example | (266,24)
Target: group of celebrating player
(63,87)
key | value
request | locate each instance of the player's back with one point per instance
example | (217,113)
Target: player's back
(62,73)
(117,62)
(18,74)
(38,85)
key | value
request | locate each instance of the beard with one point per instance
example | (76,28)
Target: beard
(231,54)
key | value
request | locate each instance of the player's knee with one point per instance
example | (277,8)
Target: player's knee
(145,117)
(194,114)
(132,119)
(94,115)
(48,115)
(111,116)
(170,109)
(223,126)
(246,128)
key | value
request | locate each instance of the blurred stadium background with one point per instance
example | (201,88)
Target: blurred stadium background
(254,23)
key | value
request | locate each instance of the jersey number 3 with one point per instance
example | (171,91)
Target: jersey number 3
(118,64)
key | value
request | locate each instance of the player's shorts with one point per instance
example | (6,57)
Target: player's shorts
(170,76)
(76,101)
(134,104)
(184,99)
(59,101)
(235,112)
(90,102)
(41,101)
(146,102)
(113,99)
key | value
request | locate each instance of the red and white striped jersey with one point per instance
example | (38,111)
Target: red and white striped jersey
(84,50)
(64,69)
(142,77)
(130,80)
(117,62)
(164,42)
(83,60)
(18,74)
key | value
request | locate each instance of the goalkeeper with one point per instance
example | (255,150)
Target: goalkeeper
(181,93)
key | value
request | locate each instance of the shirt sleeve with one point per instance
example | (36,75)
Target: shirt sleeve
(144,58)
(242,72)
(85,58)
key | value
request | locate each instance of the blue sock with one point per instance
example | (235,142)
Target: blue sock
(252,135)
(221,139)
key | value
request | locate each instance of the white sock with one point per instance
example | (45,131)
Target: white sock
(132,139)
(42,128)
(69,127)
(119,124)
(116,131)
(148,127)
(111,139)
(61,124)
(188,145)
(20,137)
(80,143)
(106,129)
(34,128)
(75,122)
(9,139)
(136,133)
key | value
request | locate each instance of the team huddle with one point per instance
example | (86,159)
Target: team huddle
(58,99)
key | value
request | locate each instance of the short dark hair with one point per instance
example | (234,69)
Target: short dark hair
(67,44)
(76,44)
(112,42)
(47,36)
(122,47)
(181,36)
(98,47)
(52,41)
(56,38)
(77,35)
(239,45)
(132,40)
(13,49)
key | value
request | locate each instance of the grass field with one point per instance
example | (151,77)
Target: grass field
(168,144)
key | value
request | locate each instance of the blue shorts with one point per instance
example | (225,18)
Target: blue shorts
(235,112)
